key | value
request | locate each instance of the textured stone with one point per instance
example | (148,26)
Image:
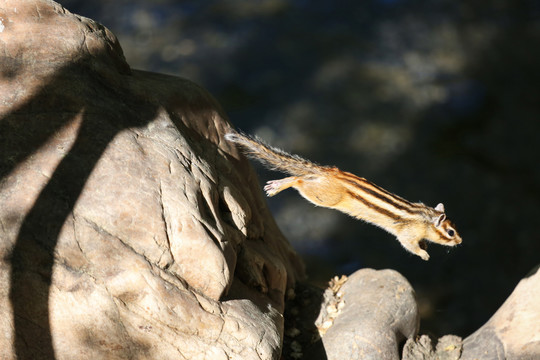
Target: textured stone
(379,311)
(129,228)
(448,348)
(513,332)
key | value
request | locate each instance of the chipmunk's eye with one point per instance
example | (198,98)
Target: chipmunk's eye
(450,232)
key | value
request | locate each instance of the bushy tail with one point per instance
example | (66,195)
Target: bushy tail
(274,158)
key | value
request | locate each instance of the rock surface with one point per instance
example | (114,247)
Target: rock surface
(379,311)
(448,348)
(513,332)
(126,228)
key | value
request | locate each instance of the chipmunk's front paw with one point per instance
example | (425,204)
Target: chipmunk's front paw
(423,254)
(416,247)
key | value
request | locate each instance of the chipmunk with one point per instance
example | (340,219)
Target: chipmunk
(330,187)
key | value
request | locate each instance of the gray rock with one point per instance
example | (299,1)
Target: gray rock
(448,348)
(513,332)
(129,228)
(379,311)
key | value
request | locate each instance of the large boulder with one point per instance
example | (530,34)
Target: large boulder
(126,229)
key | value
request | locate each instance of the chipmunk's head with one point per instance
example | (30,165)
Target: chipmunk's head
(443,231)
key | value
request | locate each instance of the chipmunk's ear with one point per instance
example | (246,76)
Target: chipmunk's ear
(437,220)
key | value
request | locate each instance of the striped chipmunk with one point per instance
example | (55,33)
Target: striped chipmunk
(411,223)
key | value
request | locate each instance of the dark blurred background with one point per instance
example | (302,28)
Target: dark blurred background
(437,101)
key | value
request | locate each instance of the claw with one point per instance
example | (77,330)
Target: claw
(271,188)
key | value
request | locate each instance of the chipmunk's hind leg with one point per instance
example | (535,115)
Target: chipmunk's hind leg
(274,187)
(315,188)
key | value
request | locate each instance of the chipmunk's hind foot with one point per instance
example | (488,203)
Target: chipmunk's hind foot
(274,187)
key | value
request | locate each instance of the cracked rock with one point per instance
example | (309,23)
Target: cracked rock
(129,228)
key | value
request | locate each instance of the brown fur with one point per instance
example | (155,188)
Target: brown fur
(330,187)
